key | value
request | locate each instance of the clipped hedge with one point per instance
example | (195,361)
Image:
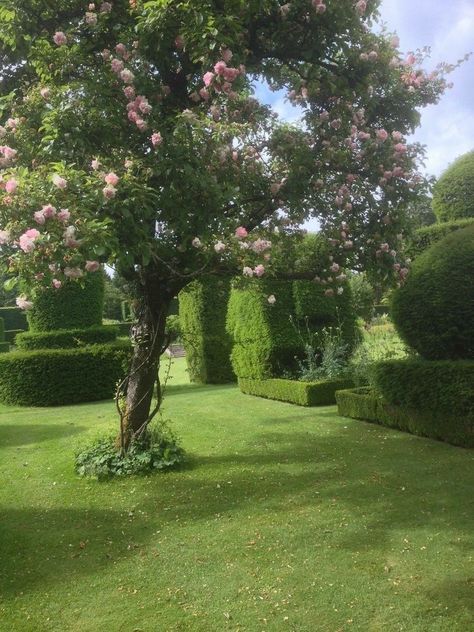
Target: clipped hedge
(10,335)
(442,386)
(427,236)
(75,305)
(368,405)
(434,310)
(66,338)
(62,377)
(265,340)
(14,318)
(4,345)
(202,312)
(320,393)
(453,195)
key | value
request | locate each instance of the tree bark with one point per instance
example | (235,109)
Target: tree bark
(150,341)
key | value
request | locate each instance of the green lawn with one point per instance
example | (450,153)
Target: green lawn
(285,519)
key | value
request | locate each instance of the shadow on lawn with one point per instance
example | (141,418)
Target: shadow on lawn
(379,486)
(26,434)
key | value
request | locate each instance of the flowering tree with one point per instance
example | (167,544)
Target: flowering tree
(131,135)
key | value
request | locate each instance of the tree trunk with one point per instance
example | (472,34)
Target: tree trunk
(149,339)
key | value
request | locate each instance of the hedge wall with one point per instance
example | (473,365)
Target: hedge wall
(202,313)
(368,405)
(14,318)
(62,377)
(427,236)
(75,306)
(442,386)
(265,341)
(66,338)
(320,393)
(434,310)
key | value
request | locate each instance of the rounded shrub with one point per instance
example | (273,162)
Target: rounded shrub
(66,338)
(453,196)
(76,305)
(60,377)
(434,311)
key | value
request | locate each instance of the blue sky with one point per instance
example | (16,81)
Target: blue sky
(447,26)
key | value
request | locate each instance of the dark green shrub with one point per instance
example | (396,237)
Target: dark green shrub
(14,318)
(368,405)
(10,335)
(320,393)
(265,340)
(66,338)
(443,386)
(425,237)
(453,196)
(173,328)
(202,311)
(59,377)
(434,311)
(154,452)
(4,345)
(76,305)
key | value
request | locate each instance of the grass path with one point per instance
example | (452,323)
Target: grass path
(286,519)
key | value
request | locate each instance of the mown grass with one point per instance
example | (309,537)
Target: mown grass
(284,519)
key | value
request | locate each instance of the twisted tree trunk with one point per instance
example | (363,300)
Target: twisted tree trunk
(150,341)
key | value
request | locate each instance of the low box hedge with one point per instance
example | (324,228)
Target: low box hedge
(444,386)
(66,338)
(368,405)
(320,393)
(57,377)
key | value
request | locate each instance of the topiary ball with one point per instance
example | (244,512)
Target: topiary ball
(434,311)
(453,196)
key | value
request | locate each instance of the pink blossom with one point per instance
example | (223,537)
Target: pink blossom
(382,135)
(112,179)
(335,267)
(397,136)
(156,139)
(141,124)
(145,107)
(361,7)
(48,211)
(27,240)
(39,217)
(91,18)
(285,9)
(121,49)
(329,292)
(271,299)
(59,182)
(127,76)
(260,245)
(105,7)
(410,60)
(219,247)
(12,123)
(128,164)
(259,270)
(73,273)
(109,192)
(8,152)
(105,54)
(4,237)
(400,148)
(208,78)
(3,131)
(63,215)
(220,67)
(129,92)
(231,74)
(45,93)
(364,57)
(11,185)
(92,266)
(56,284)
(196,242)
(39,276)
(116,65)
(241,232)
(204,94)
(247,271)
(373,55)
(395,41)
(336,123)
(319,6)
(23,303)
(59,38)
(275,188)
(95,164)
(324,116)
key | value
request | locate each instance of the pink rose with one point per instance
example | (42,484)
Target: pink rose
(92,266)
(64,215)
(59,38)
(45,93)
(400,148)
(11,185)
(121,49)
(220,67)
(59,182)
(156,139)
(48,211)
(39,217)
(361,7)
(196,242)
(109,192)
(91,18)
(116,65)
(219,247)
(271,299)
(73,273)
(208,78)
(247,271)
(23,302)
(241,232)
(204,94)
(112,179)
(95,164)
(127,76)
(56,284)
(129,92)
(382,135)
(329,292)
(259,270)
(4,237)
(397,136)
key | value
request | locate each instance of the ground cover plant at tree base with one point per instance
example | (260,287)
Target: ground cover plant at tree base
(286,518)
(130,134)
